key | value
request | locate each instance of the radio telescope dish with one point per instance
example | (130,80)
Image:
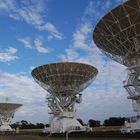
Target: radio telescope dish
(64,81)
(7,111)
(117,34)
(64,78)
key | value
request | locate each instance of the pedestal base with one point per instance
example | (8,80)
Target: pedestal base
(65,122)
(5,127)
(62,125)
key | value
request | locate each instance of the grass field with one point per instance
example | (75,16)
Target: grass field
(29,137)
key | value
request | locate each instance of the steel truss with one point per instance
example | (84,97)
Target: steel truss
(132,85)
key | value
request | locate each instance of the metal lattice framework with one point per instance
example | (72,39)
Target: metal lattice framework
(117,34)
(64,81)
(7,111)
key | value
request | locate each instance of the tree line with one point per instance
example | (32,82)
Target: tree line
(112,121)
(26,125)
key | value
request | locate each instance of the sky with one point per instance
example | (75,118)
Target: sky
(36,32)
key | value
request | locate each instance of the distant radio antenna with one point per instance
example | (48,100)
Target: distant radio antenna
(7,111)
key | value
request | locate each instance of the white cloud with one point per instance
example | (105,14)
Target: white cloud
(19,85)
(39,46)
(8,54)
(26,41)
(31,12)
(54,33)
(80,36)
(97,9)
(7,4)
(37,43)
(91,9)
(50,37)
(71,55)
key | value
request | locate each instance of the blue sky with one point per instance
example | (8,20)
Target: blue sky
(36,32)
